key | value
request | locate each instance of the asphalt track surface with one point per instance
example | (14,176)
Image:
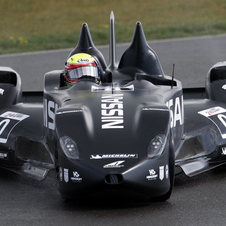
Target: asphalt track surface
(199,200)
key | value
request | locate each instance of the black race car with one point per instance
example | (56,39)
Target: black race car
(132,131)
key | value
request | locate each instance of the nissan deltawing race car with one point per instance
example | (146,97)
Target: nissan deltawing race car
(131,128)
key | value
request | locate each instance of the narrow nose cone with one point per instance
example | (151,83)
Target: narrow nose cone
(140,55)
(85,45)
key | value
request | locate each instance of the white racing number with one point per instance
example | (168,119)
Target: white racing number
(8,121)
(218,116)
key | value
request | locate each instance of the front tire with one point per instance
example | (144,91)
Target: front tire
(167,195)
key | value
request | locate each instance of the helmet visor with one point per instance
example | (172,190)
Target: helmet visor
(78,72)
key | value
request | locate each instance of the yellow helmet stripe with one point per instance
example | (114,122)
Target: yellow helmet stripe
(80,58)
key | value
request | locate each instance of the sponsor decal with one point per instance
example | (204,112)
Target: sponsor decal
(224,87)
(8,121)
(66,176)
(50,108)
(161,172)
(14,115)
(1,91)
(167,172)
(223,151)
(116,164)
(176,111)
(112,156)
(83,60)
(112,111)
(61,174)
(218,116)
(152,175)
(76,177)
(212,111)
(3,155)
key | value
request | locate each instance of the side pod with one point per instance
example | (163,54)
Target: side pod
(10,86)
(216,82)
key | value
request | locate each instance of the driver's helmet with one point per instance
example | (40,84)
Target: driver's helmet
(79,65)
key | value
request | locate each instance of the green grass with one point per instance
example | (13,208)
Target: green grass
(31,25)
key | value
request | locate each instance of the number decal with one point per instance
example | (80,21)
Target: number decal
(3,125)
(8,121)
(218,116)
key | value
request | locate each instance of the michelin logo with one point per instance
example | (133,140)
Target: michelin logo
(111,156)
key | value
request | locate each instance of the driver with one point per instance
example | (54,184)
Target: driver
(81,65)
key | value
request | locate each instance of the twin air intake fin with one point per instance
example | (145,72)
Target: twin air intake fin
(139,56)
